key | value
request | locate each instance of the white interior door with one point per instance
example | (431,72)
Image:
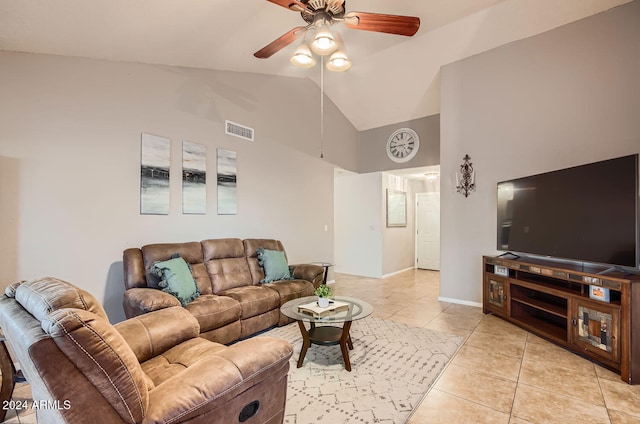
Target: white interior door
(428,231)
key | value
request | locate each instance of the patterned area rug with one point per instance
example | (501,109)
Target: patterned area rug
(393,366)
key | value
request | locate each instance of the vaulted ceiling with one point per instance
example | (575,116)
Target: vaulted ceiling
(393,78)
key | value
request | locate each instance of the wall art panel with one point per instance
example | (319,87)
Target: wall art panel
(194,178)
(227,182)
(155,159)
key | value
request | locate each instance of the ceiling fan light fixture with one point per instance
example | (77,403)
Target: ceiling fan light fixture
(302,57)
(320,16)
(339,62)
(323,43)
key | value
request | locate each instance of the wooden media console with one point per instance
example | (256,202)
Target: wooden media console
(590,313)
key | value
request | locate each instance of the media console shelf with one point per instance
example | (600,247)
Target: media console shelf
(553,301)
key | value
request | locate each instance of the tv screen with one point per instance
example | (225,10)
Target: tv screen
(587,213)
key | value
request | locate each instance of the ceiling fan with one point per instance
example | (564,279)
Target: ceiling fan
(321,14)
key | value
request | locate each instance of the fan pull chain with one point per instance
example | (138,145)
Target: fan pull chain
(321,107)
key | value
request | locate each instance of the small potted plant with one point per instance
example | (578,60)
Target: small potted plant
(324,293)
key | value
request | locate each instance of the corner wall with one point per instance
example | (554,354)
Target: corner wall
(364,245)
(70,156)
(563,98)
(358,222)
(398,243)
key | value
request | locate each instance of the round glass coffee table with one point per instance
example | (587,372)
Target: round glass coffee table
(344,310)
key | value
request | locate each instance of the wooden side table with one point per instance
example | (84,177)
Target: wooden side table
(8,376)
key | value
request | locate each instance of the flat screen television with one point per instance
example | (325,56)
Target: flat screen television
(587,213)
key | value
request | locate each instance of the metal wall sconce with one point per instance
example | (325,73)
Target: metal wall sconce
(467,183)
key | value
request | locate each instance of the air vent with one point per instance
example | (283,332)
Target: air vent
(238,130)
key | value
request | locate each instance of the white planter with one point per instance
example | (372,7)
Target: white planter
(323,302)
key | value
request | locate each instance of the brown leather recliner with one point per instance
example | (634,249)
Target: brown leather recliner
(149,369)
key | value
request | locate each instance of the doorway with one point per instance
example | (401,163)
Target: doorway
(428,231)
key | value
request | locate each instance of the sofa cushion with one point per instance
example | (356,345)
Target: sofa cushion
(226,264)
(222,383)
(176,279)
(254,300)
(291,289)
(275,265)
(175,360)
(214,311)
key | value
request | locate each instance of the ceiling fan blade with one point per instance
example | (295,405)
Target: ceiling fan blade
(378,22)
(295,5)
(278,44)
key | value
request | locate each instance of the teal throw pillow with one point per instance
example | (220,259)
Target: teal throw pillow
(275,265)
(176,279)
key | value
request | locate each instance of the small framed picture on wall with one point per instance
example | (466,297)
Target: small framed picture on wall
(396,208)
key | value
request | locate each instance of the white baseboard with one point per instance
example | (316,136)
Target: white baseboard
(460,302)
(397,272)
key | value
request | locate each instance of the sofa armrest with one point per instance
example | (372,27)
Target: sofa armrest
(144,300)
(154,333)
(309,272)
(211,383)
(134,272)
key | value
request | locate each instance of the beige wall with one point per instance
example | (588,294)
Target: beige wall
(358,223)
(398,243)
(70,156)
(364,245)
(373,154)
(566,97)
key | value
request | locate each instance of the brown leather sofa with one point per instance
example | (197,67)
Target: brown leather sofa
(149,369)
(233,303)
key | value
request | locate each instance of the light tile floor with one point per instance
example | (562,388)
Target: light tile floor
(502,373)
(21,401)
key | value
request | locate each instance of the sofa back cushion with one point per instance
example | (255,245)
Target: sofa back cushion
(44,295)
(226,263)
(96,348)
(191,252)
(251,247)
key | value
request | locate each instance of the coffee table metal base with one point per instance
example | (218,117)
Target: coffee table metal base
(326,336)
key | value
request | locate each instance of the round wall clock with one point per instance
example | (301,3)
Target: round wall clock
(403,145)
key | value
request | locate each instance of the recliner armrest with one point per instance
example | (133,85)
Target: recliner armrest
(309,272)
(154,333)
(140,301)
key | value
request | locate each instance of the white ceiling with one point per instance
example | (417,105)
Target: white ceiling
(393,78)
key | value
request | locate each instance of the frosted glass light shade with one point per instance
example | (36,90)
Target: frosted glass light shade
(324,43)
(302,57)
(339,62)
